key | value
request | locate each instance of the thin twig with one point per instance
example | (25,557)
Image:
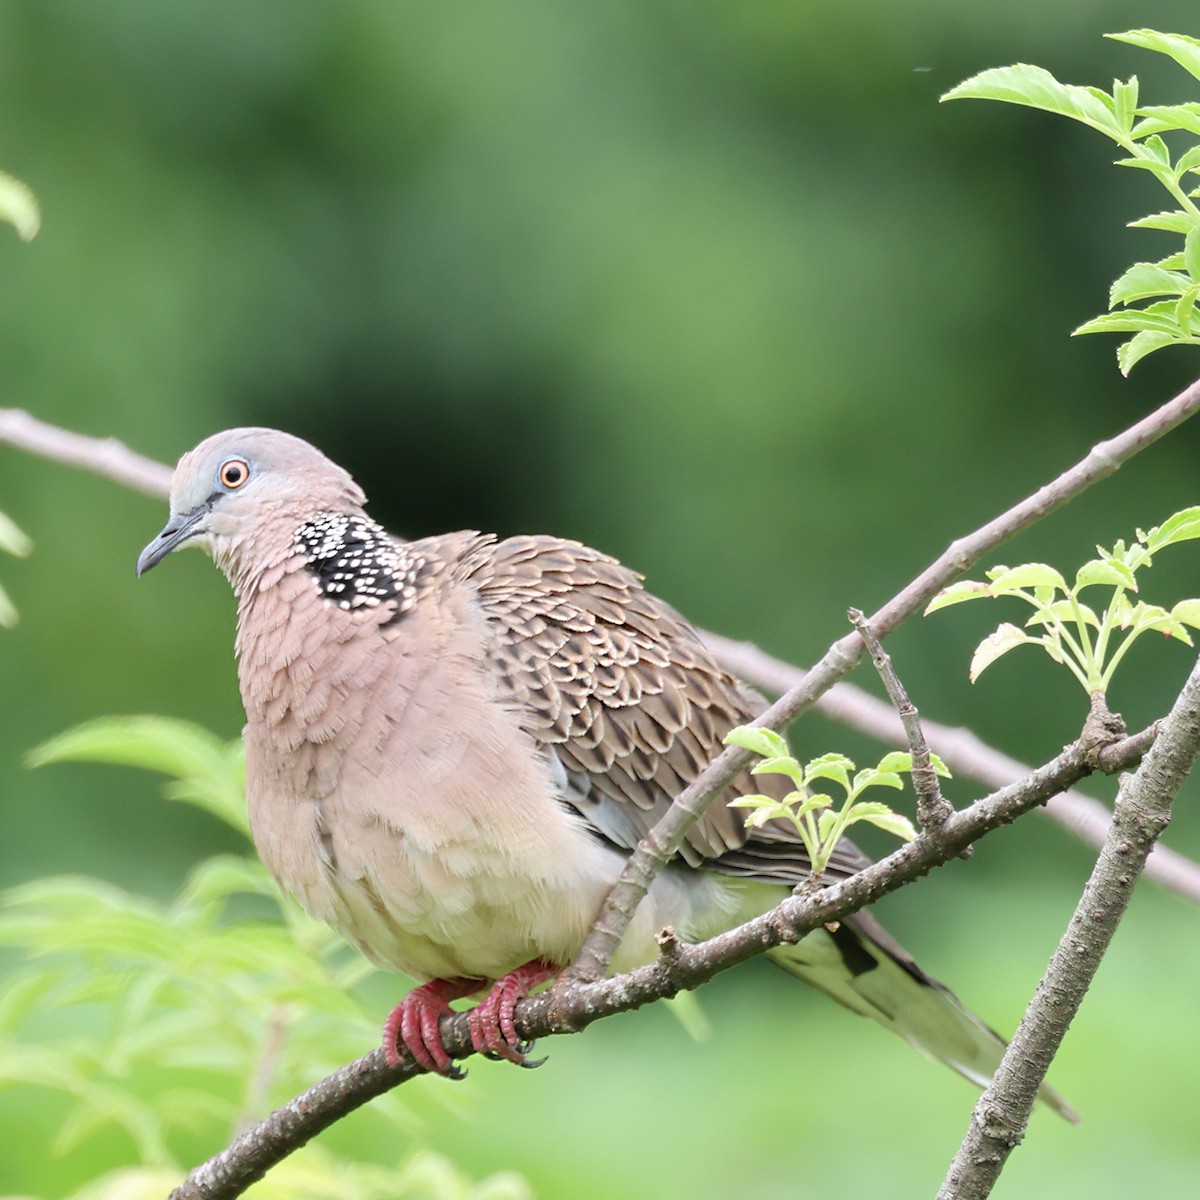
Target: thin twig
(965,753)
(573,1004)
(1084,817)
(663,841)
(1143,810)
(932,807)
(101,456)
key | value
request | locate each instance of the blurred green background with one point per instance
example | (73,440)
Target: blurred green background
(718,287)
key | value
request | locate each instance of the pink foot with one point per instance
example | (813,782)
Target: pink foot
(491,1020)
(413,1025)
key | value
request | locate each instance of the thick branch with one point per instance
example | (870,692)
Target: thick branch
(664,840)
(1143,810)
(573,1004)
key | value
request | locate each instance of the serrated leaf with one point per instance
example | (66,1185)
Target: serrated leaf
(872,777)
(1132,320)
(826,822)
(765,742)
(1144,280)
(1063,612)
(1125,98)
(1025,576)
(1185,309)
(956,593)
(1162,118)
(780,766)
(1104,572)
(1182,526)
(1187,612)
(1035,87)
(830,766)
(1171,222)
(1183,49)
(896,760)
(1133,351)
(1005,638)
(893,822)
(19,207)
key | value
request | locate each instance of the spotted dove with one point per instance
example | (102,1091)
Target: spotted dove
(453,744)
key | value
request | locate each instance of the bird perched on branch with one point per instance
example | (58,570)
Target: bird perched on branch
(453,744)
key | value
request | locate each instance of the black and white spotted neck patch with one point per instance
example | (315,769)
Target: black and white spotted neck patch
(357,564)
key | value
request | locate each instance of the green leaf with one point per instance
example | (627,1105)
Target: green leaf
(1186,307)
(873,777)
(1131,320)
(1187,612)
(1182,526)
(1026,575)
(1005,638)
(893,822)
(1125,98)
(1104,571)
(1133,351)
(1063,612)
(1172,222)
(1144,280)
(18,206)
(830,766)
(765,742)
(896,760)
(1183,49)
(956,593)
(1035,87)
(1189,160)
(1162,118)
(780,766)
(208,772)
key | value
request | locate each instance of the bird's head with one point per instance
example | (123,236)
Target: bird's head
(240,495)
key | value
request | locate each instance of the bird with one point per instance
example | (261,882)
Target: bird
(454,743)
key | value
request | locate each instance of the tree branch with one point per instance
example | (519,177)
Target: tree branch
(1143,810)
(664,839)
(968,755)
(572,1004)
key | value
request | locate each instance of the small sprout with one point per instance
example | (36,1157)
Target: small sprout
(815,816)
(1080,636)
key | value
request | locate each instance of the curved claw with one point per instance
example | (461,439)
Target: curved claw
(413,1026)
(493,1031)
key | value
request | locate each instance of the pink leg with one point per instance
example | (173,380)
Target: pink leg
(413,1025)
(491,1020)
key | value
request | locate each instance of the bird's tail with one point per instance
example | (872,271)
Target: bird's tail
(863,967)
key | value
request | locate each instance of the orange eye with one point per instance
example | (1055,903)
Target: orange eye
(234,472)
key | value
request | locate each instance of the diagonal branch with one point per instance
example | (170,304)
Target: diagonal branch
(1084,817)
(573,1004)
(664,839)
(1143,810)
(966,754)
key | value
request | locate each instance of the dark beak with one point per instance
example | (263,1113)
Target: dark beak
(177,531)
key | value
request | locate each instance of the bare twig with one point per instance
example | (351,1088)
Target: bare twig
(101,456)
(969,756)
(1143,810)
(932,807)
(664,839)
(573,1004)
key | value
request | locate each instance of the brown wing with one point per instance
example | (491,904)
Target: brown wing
(618,687)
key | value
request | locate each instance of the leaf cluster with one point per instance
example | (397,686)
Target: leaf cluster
(195,1016)
(1088,642)
(1171,284)
(820,822)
